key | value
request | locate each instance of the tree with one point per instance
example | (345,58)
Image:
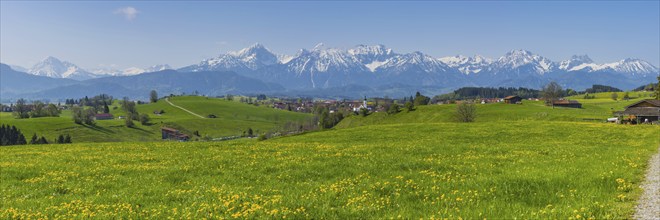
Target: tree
(34,139)
(52,110)
(551,92)
(144,119)
(466,112)
(88,116)
(153,96)
(42,140)
(60,139)
(21,109)
(129,121)
(615,96)
(393,109)
(67,139)
(250,133)
(106,109)
(77,114)
(626,96)
(421,99)
(409,106)
(364,112)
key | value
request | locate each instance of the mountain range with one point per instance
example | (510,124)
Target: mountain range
(55,68)
(373,70)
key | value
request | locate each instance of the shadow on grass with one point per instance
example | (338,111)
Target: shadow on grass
(142,130)
(98,128)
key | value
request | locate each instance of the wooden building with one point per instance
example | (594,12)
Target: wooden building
(104,116)
(644,111)
(567,104)
(514,99)
(173,134)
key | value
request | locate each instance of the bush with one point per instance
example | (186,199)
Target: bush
(129,122)
(261,137)
(144,119)
(466,112)
(393,109)
(409,106)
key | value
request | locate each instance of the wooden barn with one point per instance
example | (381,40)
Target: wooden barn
(567,104)
(645,111)
(514,99)
(104,116)
(173,134)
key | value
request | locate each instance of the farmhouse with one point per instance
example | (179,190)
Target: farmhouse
(647,110)
(104,116)
(514,99)
(173,134)
(567,103)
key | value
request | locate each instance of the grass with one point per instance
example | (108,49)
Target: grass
(598,109)
(518,169)
(515,161)
(233,119)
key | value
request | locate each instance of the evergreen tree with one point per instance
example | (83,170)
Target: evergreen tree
(67,139)
(106,109)
(34,139)
(42,140)
(60,139)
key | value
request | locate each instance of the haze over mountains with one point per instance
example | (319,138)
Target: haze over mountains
(329,72)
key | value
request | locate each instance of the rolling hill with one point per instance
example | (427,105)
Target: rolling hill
(232,119)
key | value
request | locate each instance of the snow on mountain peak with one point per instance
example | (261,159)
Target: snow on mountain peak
(55,68)
(467,65)
(518,58)
(577,62)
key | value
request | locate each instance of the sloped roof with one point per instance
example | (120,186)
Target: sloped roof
(511,97)
(653,102)
(641,111)
(565,102)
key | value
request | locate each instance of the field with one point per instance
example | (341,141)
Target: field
(439,170)
(233,119)
(593,110)
(515,161)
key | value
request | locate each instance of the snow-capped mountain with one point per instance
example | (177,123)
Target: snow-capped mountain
(256,56)
(323,67)
(251,58)
(514,60)
(135,70)
(54,68)
(575,61)
(468,65)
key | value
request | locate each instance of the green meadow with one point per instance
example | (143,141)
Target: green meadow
(232,119)
(516,161)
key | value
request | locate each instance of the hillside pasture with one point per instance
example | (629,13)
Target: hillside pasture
(521,169)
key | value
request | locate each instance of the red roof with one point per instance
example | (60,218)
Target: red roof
(104,115)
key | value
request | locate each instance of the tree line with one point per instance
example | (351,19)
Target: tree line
(35,110)
(10,135)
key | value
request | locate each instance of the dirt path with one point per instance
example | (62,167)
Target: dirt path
(186,110)
(649,203)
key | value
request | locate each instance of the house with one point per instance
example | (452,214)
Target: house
(104,116)
(173,134)
(567,103)
(513,99)
(644,111)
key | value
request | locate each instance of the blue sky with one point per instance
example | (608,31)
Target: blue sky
(145,33)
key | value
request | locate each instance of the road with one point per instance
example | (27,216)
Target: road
(186,110)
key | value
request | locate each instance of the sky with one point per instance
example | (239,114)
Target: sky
(122,34)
